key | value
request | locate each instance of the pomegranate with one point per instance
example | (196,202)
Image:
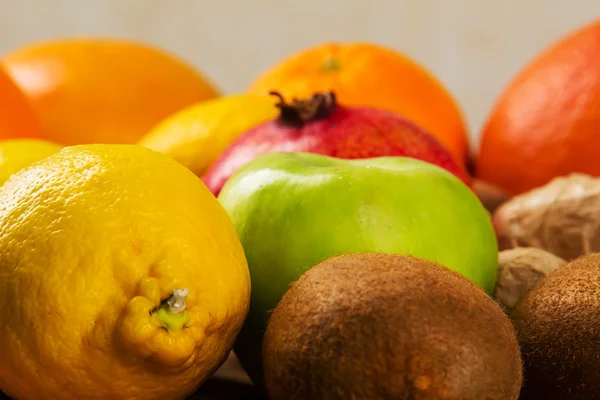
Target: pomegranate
(321,125)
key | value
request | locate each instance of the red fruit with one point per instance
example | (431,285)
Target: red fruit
(320,125)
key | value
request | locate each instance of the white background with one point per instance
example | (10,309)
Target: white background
(473,46)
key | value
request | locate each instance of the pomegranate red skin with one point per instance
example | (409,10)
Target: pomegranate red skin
(348,132)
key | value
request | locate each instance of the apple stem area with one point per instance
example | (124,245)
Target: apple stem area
(170,314)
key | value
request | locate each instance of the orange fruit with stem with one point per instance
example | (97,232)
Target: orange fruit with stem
(17,117)
(366,74)
(103,90)
(546,123)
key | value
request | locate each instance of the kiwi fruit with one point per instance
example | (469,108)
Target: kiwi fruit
(558,328)
(387,326)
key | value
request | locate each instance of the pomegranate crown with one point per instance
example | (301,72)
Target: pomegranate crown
(300,111)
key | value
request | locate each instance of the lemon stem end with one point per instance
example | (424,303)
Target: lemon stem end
(171,313)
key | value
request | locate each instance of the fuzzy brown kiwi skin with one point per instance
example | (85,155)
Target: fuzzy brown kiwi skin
(558,327)
(380,326)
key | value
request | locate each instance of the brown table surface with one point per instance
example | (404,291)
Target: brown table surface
(230,382)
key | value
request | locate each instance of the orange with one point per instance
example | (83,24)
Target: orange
(17,117)
(103,90)
(546,123)
(365,74)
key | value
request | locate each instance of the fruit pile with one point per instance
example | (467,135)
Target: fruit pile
(330,229)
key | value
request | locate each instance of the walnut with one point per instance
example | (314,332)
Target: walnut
(561,217)
(519,270)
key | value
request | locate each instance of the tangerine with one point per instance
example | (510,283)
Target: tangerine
(366,74)
(17,117)
(103,90)
(546,123)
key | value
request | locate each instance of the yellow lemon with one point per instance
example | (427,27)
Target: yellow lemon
(195,136)
(121,277)
(16,154)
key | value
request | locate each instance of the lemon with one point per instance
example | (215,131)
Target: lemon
(16,154)
(196,135)
(121,277)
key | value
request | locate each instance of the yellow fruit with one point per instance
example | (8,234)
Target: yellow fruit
(94,239)
(16,154)
(196,135)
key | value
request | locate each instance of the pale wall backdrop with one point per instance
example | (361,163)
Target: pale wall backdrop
(473,46)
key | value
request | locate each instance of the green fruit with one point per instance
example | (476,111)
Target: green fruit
(295,210)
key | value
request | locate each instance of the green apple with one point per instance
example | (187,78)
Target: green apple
(295,210)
